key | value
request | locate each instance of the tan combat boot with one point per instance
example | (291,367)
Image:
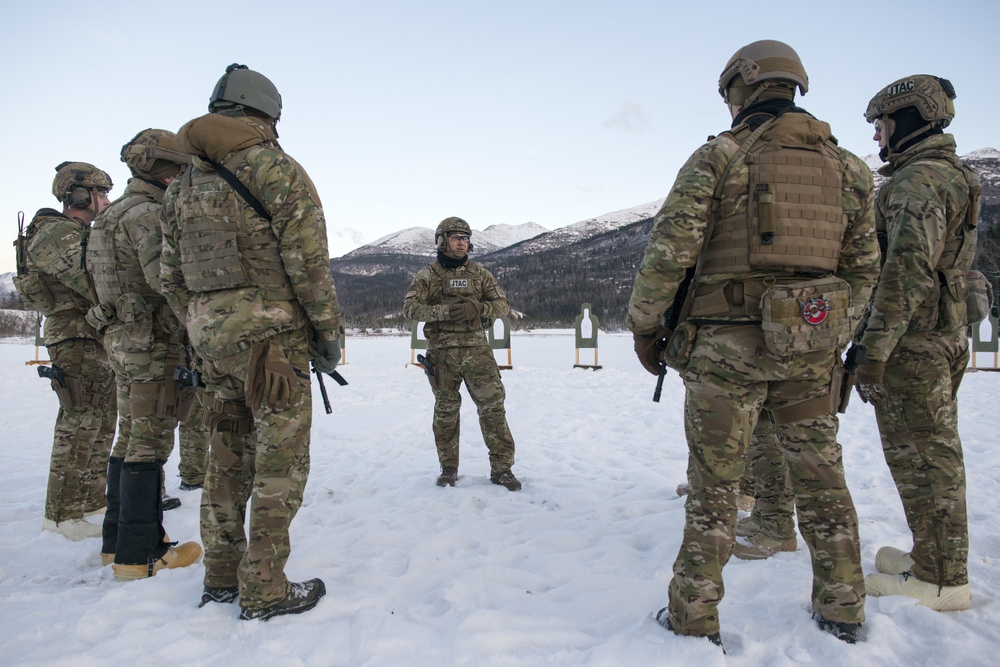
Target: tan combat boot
(760,546)
(890,560)
(182,555)
(938,598)
(73,529)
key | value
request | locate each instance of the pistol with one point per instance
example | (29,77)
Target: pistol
(426,363)
(52,372)
(188,378)
(856,355)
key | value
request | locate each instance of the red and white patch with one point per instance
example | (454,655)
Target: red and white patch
(814,310)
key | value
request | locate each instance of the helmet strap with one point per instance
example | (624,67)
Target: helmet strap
(893,148)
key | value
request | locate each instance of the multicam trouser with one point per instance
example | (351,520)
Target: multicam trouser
(194,437)
(143,434)
(729,379)
(774,509)
(918,422)
(477,367)
(83,433)
(258,453)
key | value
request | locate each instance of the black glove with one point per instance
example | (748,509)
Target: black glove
(649,347)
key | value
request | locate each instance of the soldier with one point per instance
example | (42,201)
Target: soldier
(54,280)
(245,258)
(146,344)
(915,336)
(459,299)
(775,224)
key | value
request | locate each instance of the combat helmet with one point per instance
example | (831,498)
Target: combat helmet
(154,155)
(75,180)
(242,88)
(930,95)
(761,65)
(448,226)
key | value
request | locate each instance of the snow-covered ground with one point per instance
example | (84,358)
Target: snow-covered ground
(566,572)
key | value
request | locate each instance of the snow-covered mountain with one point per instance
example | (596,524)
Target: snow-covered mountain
(420,240)
(6,286)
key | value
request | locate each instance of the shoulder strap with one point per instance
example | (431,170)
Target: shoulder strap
(241,190)
(713,213)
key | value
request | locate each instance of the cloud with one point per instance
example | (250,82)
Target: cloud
(630,117)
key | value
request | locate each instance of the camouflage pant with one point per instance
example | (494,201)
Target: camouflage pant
(478,368)
(140,371)
(83,435)
(257,454)
(194,436)
(731,376)
(918,423)
(767,470)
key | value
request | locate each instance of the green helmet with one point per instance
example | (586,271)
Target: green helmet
(448,226)
(931,96)
(241,87)
(154,155)
(75,180)
(765,61)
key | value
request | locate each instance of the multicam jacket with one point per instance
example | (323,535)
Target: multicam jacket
(679,227)
(236,276)
(924,210)
(434,289)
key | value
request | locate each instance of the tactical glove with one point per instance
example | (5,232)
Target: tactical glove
(465,310)
(328,355)
(271,379)
(871,382)
(649,347)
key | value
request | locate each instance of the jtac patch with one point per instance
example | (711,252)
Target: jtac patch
(459,283)
(898,88)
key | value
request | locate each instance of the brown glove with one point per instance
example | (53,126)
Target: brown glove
(271,380)
(649,347)
(465,310)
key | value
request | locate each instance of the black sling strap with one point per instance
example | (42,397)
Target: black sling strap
(241,190)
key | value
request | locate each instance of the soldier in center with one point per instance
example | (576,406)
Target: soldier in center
(773,225)
(458,299)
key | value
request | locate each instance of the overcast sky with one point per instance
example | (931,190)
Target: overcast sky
(406,112)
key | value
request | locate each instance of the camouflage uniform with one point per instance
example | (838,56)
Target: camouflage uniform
(731,375)
(145,343)
(768,472)
(83,434)
(193,438)
(922,340)
(460,352)
(254,293)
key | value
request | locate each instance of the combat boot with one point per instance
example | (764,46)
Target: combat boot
(73,529)
(221,594)
(890,560)
(760,546)
(938,598)
(169,502)
(506,479)
(663,618)
(448,476)
(300,597)
(183,555)
(845,632)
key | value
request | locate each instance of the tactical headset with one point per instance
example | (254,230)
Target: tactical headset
(79,197)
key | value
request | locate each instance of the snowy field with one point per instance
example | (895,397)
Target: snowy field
(566,572)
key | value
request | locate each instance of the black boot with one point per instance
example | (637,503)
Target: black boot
(140,519)
(114,507)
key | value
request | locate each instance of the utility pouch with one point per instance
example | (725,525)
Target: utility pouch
(807,316)
(145,399)
(183,400)
(34,293)
(980,299)
(677,353)
(952,313)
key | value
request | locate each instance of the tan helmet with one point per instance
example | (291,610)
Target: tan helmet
(75,180)
(449,225)
(760,65)
(154,155)
(931,96)
(241,87)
